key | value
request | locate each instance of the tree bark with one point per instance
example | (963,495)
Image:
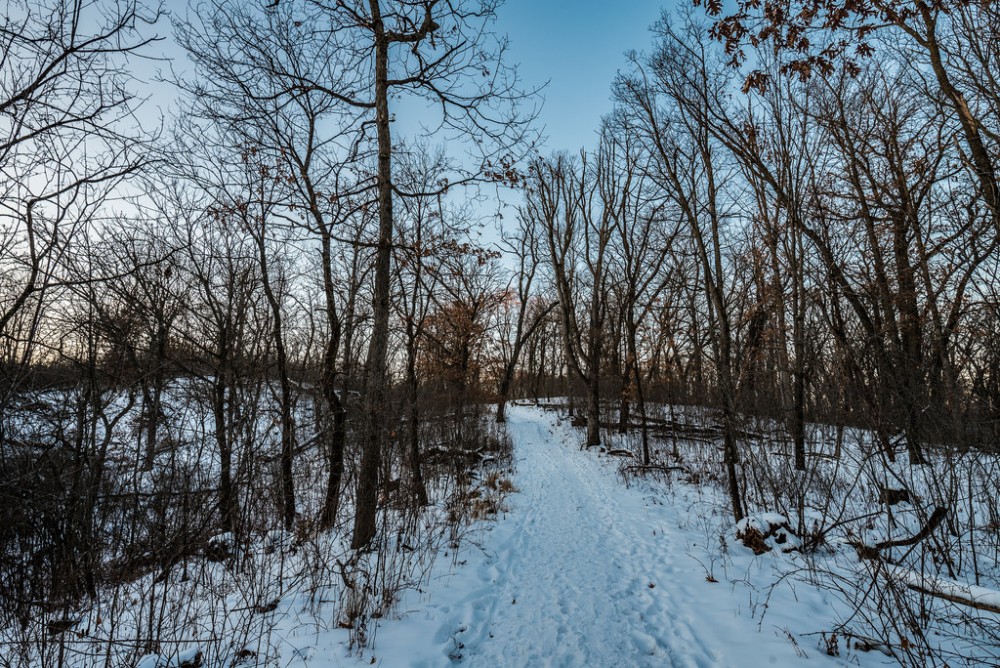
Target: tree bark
(375,372)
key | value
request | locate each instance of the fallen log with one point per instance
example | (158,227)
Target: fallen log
(979,598)
(621,453)
(869,553)
(643,468)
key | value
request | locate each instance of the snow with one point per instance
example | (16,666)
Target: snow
(582,572)
(189,657)
(579,569)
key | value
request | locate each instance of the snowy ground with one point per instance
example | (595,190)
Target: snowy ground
(586,572)
(579,570)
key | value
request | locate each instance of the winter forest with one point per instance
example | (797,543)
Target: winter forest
(330,361)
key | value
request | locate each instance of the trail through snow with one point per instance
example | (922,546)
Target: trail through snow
(582,572)
(586,576)
(586,572)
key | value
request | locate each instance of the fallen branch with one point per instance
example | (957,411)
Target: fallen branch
(865,644)
(869,553)
(936,518)
(640,468)
(979,598)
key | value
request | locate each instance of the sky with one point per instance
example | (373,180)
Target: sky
(577,46)
(574,46)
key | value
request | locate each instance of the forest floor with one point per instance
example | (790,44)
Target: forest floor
(585,571)
(591,561)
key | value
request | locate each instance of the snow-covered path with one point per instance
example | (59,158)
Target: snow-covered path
(585,572)
(586,576)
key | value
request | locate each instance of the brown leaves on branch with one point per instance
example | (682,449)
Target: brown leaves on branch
(504,172)
(812,36)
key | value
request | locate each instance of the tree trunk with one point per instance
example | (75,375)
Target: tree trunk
(287,418)
(594,411)
(501,416)
(731,456)
(798,371)
(376,376)
(338,435)
(152,396)
(640,395)
(227,493)
(413,453)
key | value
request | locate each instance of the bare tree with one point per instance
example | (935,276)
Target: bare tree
(564,198)
(440,51)
(671,99)
(360,55)
(250,61)
(522,312)
(423,225)
(845,38)
(644,242)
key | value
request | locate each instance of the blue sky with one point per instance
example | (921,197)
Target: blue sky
(578,47)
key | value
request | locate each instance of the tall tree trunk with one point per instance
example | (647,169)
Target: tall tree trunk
(152,397)
(594,395)
(640,394)
(501,415)
(227,493)
(593,414)
(731,455)
(910,340)
(338,414)
(376,376)
(798,370)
